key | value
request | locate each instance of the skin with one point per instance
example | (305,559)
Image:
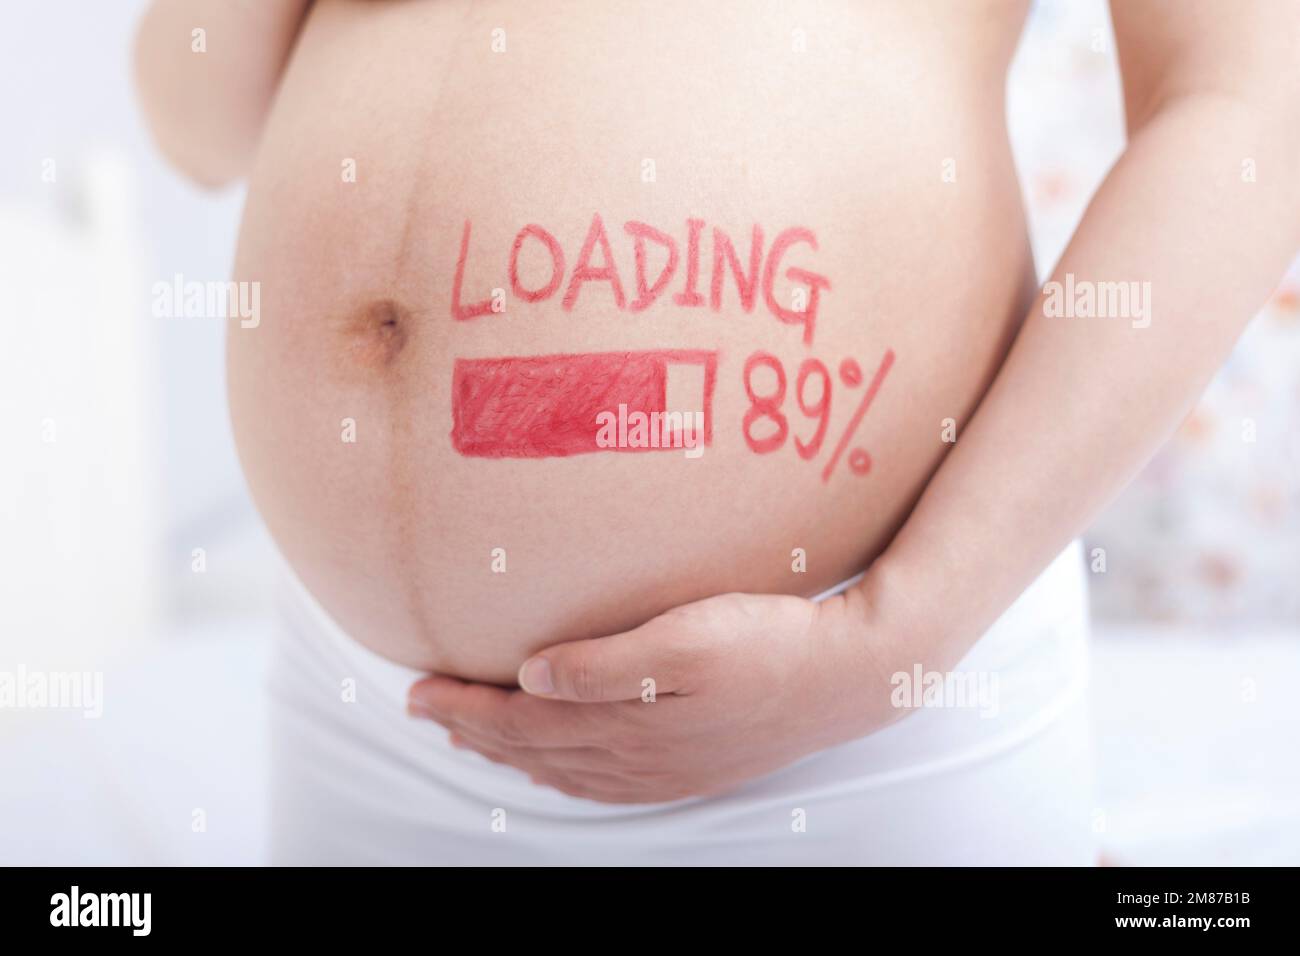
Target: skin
(746,683)
(1048,448)
(393,533)
(226,92)
(743,685)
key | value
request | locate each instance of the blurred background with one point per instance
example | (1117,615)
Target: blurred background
(128,545)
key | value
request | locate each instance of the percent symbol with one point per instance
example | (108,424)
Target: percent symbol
(851,375)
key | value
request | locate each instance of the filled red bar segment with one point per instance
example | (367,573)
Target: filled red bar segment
(548,406)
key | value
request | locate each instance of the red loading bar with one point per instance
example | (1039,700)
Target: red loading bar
(547,406)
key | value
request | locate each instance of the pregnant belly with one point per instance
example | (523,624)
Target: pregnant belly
(529,370)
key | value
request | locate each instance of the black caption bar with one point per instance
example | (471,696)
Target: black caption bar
(633,906)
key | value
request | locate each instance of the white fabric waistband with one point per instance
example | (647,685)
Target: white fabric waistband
(1034,655)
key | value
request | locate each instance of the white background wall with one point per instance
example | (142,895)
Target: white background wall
(67,95)
(100,525)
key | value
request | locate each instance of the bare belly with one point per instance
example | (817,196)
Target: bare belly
(496,243)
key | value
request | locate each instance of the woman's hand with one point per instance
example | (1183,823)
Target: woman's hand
(694,702)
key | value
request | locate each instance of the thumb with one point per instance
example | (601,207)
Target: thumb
(619,667)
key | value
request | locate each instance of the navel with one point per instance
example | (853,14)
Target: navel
(377,332)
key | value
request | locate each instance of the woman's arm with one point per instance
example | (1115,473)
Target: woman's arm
(1204,205)
(206,94)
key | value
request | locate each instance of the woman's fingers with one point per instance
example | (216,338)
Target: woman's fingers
(561,758)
